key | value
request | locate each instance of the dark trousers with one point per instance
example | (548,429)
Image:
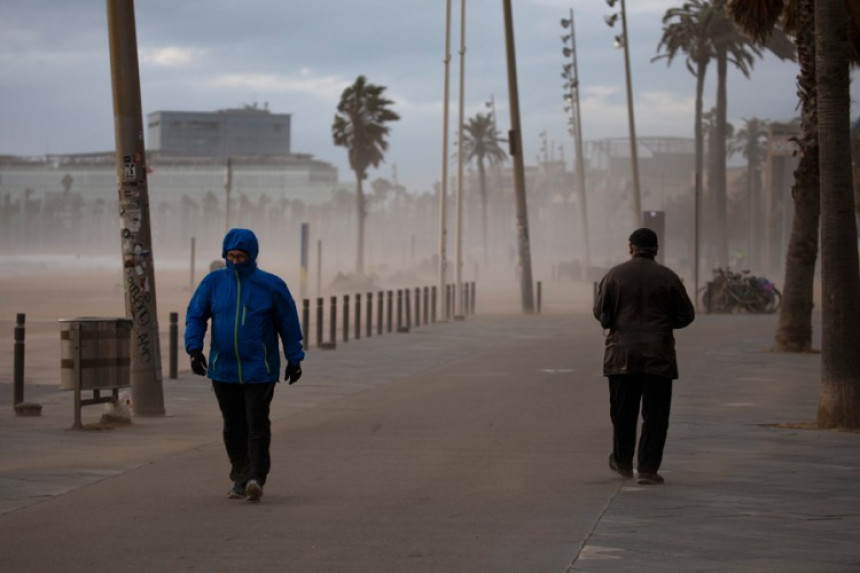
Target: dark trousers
(247,429)
(626,392)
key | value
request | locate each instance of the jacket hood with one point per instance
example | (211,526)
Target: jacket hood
(241,240)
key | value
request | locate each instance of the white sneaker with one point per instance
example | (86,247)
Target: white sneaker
(253,490)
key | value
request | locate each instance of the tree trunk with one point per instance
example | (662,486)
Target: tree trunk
(839,393)
(721,250)
(794,329)
(482,180)
(361,212)
(701,68)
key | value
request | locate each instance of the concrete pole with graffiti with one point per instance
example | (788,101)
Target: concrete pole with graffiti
(137,257)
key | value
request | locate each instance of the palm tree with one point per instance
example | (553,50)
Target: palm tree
(839,393)
(758,18)
(481,142)
(686,30)
(855,161)
(838,398)
(749,141)
(717,200)
(360,126)
(732,46)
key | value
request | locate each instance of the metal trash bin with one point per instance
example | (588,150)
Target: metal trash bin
(95,353)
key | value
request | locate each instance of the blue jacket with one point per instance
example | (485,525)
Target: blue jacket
(249,309)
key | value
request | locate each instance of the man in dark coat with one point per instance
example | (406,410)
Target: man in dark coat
(641,302)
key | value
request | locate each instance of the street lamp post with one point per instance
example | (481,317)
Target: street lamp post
(622,42)
(443,188)
(571,74)
(459,312)
(515,142)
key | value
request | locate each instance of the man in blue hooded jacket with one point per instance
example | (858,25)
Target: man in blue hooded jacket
(250,310)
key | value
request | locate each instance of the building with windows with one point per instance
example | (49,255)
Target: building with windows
(245,132)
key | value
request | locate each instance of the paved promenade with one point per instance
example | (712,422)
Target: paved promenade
(464,446)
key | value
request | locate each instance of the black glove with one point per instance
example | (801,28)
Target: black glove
(198,363)
(293,372)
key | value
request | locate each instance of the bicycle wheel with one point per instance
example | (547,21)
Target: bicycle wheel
(775,302)
(705,297)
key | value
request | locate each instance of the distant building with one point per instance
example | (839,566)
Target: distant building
(187,153)
(244,132)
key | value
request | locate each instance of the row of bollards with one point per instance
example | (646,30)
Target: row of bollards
(395,311)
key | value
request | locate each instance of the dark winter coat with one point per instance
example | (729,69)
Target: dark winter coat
(641,302)
(250,310)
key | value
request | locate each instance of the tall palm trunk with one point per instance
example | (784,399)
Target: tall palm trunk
(482,181)
(839,393)
(701,68)
(794,329)
(719,162)
(362,215)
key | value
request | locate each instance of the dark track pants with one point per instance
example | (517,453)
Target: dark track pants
(626,392)
(247,429)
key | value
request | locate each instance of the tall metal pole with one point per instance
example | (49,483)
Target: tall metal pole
(634,149)
(576,132)
(138,260)
(515,141)
(443,191)
(458,269)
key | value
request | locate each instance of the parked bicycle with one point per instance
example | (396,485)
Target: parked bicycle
(732,291)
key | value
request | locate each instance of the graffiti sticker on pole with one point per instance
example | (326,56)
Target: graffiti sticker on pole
(129,170)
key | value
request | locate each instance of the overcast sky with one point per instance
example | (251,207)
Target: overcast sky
(298,56)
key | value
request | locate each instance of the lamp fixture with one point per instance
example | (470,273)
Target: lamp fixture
(611,19)
(565,22)
(619,42)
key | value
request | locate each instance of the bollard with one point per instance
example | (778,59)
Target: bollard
(407,305)
(21,408)
(18,392)
(357,316)
(474,296)
(426,305)
(433,303)
(390,307)
(538,296)
(459,297)
(407,318)
(332,321)
(174,343)
(417,307)
(319,322)
(369,314)
(346,318)
(306,318)
(332,343)
(399,309)
(379,311)
(470,298)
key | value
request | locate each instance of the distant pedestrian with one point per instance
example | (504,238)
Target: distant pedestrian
(640,303)
(250,310)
